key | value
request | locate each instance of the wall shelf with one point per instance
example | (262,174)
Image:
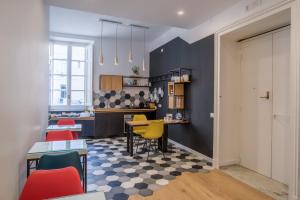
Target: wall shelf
(136,82)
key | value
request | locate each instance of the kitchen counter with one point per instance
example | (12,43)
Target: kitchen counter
(124,110)
(110,122)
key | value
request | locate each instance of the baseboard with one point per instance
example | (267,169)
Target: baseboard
(229,162)
(190,150)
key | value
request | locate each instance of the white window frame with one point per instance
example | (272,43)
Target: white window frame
(87,75)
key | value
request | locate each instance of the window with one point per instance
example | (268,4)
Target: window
(69,75)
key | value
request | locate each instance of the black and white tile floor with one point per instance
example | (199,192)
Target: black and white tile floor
(113,171)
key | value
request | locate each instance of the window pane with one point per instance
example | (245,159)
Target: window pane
(77,83)
(78,53)
(59,82)
(78,68)
(59,97)
(60,51)
(77,97)
(59,67)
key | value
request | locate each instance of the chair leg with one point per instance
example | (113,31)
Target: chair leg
(148,148)
(162,149)
(137,144)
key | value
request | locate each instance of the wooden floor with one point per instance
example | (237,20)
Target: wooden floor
(214,185)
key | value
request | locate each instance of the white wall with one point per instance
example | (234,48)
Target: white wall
(229,102)
(23,87)
(124,67)
(216,23)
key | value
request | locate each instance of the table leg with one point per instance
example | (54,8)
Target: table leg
(165,139)
(127,127)
(28,168)
(131,140)
(85,173)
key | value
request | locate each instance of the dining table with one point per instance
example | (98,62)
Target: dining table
(163,141)
(75,128)
(56,147)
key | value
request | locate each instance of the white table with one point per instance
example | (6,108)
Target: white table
(76,127)
(87,196)
(55,147)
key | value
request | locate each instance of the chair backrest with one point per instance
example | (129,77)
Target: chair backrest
(139,118)
(66,122)
(155,130)
(59,135)
(58,161)
(46,184)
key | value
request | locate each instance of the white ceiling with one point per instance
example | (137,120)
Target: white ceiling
(163,12)
(86,24)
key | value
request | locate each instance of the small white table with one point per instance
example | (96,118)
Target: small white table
(76,128)
(55,147)
(87,196)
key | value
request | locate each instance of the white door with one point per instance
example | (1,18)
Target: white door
(256,105)
(264,107)
(280,134)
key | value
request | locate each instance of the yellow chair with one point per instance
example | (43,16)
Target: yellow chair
(140,129)
(154,131)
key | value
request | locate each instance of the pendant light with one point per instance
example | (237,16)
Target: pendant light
(143,64)
(116,59)
(130,57)
(101,57)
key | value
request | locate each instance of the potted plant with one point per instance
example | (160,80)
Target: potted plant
(136,70)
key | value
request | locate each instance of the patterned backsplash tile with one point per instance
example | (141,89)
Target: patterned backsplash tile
(121,99)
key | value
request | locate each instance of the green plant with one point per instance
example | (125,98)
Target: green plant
(135,69)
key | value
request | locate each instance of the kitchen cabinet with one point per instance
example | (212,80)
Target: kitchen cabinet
(110,123)
(110,82)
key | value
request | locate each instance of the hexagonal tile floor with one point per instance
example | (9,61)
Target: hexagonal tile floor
(113,171)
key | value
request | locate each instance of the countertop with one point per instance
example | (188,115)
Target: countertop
(124,110)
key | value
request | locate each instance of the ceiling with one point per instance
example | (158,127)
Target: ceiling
(77,22)
(160,12)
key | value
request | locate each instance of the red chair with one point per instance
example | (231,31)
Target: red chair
(59,135)
(68,122)
(46,184)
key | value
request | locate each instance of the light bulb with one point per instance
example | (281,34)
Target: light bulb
(101,59)
(143,65)
(130,59)
(116,61)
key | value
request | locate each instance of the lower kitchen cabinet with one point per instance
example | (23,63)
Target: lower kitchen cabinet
(110,124)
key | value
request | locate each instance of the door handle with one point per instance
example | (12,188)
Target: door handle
(267,96)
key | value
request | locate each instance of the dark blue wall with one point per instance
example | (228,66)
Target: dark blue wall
(198,56)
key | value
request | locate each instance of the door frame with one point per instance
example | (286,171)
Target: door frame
(294,7)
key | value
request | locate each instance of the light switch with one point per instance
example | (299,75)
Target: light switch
(212,115)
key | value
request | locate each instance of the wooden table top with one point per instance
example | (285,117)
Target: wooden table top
(147,122)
